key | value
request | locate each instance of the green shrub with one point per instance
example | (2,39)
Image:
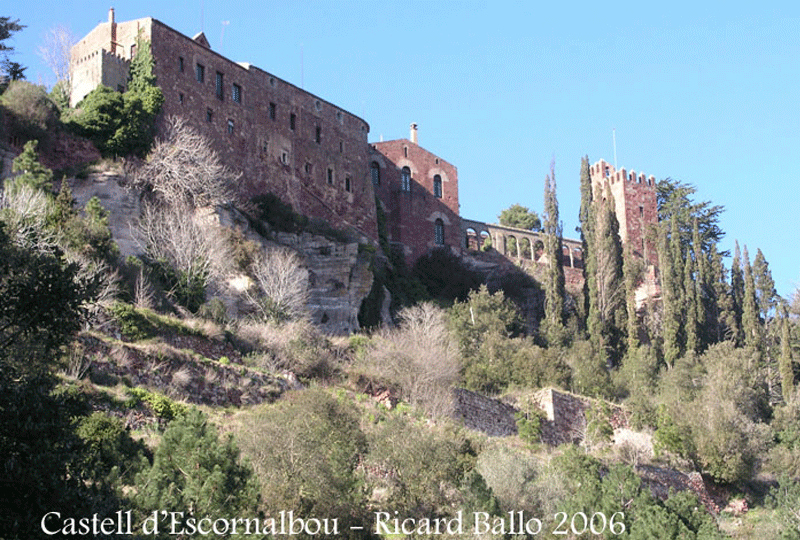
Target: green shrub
(133,324)
(162,406)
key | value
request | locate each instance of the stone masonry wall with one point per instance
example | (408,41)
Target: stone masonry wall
(412,213)
(481,413)
(309,152)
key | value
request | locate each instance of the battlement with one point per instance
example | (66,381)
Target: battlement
(602,170)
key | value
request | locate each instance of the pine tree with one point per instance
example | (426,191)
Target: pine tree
(31,172)
(750,324)
(786,365)
(196,473)
(554,281)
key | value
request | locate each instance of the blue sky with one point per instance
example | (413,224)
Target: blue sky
(705,93)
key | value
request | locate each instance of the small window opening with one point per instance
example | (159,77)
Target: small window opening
(272,109)
(200,72)
(209,115)
(330,176)
(437,186)
(405,179)
(318,136)
(292,121)
(180,63)
(438,232)
(230,125)
(219,85)
(347,184)
(237,93)
(376,173)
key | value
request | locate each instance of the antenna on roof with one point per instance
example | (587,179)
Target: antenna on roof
(222,34)
(202,18)
(614,136)
(302,86)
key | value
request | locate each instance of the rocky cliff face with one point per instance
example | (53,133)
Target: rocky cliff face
(339,280)
(339,274)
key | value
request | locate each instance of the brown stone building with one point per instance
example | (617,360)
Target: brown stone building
(634,203)
(308,151)
(419,194)
(636,208)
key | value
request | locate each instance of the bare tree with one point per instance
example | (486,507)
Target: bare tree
(184,171)
(25,211)
(55,52)
(419,357)
(281,283)
(181,240)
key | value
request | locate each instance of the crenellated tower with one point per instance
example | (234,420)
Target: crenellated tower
(634,204)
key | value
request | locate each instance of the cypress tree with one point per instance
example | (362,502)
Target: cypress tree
(609,282)
(764,286)
(631,271)
(750,324)
(690,305)
(586,217)
(786,366)
(670,324)
(703,286)
(722,320)
(737,291)
(554,282)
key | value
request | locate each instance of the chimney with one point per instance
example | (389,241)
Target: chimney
(414,133)
(111,15)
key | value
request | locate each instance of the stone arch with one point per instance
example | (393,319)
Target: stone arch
(525,250)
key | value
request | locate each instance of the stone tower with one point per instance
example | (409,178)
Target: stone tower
(634,204)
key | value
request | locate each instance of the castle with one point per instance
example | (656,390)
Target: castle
(316,155)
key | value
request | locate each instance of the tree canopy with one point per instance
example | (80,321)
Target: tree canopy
(521,217)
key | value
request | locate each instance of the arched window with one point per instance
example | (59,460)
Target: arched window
(438,232)
(437,186)
(405,179)
(376,173)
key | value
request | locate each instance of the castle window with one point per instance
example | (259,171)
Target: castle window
(133,50)
(220,92)
(341,147)
(376,173)
(405,179)
(209,115)
(180,63)
(200,72)
(272,110)
(330,176)
(347,183)
(438,232)
(309,168)
(318,136)
(180,98)
(285,158)
(405,151)
(230,125)
(437,186)
(237,93)
(292,121)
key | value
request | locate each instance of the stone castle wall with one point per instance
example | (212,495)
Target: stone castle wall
(311,153)
(412,213)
